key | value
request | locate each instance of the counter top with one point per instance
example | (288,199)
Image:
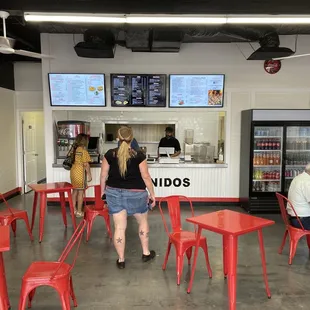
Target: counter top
(157,165)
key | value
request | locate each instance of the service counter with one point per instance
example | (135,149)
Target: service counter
(198,181)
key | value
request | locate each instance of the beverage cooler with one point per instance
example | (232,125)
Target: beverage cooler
(275,147)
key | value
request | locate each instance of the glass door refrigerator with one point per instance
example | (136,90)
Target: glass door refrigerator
(274,150)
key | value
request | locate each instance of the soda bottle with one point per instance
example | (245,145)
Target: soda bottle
(274,144)
(270,144)
(278,145)
(271,159)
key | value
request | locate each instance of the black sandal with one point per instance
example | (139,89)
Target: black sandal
(120,265)
(146,258)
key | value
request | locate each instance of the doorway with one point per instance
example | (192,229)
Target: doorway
(33,149)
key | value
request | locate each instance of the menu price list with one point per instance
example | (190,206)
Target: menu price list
(138,90)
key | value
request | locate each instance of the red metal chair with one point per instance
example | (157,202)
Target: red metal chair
(294,233)
(54,274)
(9,216)
(98,209)
(182,240)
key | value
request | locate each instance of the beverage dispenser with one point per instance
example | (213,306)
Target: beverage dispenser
(67,131)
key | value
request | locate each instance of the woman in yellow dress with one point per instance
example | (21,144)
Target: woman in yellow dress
(80,172)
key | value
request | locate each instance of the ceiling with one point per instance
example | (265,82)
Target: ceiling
(28,35)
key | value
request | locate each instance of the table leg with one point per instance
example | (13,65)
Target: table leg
(190,285)
(71,208)
(34,210)
(4,298)
(225,246)
(262,253)
(232,251)
(42,215)
(63,207)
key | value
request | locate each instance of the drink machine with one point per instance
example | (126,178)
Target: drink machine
(67,131)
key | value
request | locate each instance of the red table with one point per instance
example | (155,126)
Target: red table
(231,225)
(4,246)
(51,188)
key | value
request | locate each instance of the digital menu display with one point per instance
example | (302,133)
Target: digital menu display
(196,91)
(78,90)
(135,90)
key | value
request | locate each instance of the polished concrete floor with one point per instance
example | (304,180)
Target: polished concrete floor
(100,285)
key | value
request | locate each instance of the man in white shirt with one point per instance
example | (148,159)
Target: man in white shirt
(299,196)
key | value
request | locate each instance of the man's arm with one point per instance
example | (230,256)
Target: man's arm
(177,148)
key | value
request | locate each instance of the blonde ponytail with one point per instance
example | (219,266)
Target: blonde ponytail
(124,154)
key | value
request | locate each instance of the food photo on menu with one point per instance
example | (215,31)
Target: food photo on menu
(215,97)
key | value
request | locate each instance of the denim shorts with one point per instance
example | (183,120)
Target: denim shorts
(133,202)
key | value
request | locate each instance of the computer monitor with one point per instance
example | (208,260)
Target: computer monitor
(93,143)
(166,151)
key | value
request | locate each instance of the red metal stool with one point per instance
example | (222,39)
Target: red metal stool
(294,233)
(54,274)
(11,215)
(98,209)
(182,240)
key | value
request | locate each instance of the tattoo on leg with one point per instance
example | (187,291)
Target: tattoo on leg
(141,233)
(119,240)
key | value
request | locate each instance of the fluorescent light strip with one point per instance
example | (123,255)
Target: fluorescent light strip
(175,20)
(63,18)
(268,20)
(167,19)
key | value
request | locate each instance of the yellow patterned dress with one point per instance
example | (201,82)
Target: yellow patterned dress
(78,173)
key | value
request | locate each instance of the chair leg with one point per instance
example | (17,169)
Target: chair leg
(14,227)
(293,248)
(205,249)
(30,297)
(25,291)
(63,208)
(108,225)
(308,241)
(262,253)
(189,254)
(90,222)
(72,293)
(65,299)
(26,220)
(180,260)
(167,256)
(283,242)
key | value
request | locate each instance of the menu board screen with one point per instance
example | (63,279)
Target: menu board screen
(135,90)
(197,91)
(77,90)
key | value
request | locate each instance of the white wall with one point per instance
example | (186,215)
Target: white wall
(247,84)
(7,136)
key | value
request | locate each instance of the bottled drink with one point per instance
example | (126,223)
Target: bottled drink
(258,144)
(262,145)
(270,144)
(264,159)
(271,160)
(278,145)
(268,159)
(274,144)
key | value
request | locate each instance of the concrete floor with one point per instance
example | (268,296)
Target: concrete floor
(100,285)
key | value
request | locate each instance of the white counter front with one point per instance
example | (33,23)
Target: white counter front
(203,182)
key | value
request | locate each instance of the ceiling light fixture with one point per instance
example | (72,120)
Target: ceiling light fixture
(166,19)
(75,18)
(268,19)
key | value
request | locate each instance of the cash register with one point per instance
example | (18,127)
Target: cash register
(164,156)
(93,149)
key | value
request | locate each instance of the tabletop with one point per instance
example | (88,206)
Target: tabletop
(51,187)
(230,222)
(4,238)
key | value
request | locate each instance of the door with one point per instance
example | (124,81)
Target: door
(30,151)
(297,152)
(267,159)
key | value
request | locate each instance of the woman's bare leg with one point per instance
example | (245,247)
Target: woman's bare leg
(74,198)
(120,225)
(143,231)
(80,200)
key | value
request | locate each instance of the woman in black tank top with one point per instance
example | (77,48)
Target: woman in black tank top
(124,180)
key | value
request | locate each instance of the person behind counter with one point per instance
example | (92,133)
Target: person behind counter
(170,141)
(80,172)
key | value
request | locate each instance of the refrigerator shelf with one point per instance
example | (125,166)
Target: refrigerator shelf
(267,180)
(267,150)
(267,166)
(289,178)
(297,150)
(266,137)
(293,166)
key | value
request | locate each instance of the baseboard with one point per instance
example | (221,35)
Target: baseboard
(43,181)
(14,192)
